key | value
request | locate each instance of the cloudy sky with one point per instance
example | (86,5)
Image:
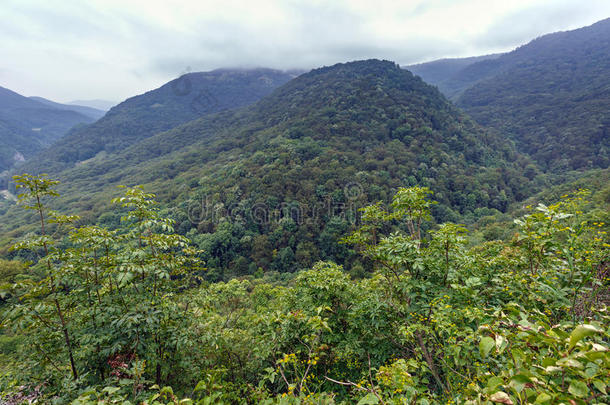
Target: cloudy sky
(113,49)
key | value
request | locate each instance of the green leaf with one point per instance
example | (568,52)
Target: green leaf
(369,399)
(569,362)
(110,390)
(600,385)
(494,382)
(518,382)
(578,389)
(553,369)
(543,398)
(581,332)
(485,345)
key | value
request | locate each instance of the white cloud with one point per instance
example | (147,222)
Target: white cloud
(113,49)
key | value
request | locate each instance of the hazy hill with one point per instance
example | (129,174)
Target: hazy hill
(93,113)
(445,73)
(177,102)
(305,158)
(103,105)
(28,125)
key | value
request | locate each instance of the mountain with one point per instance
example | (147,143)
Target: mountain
(443,73)
(103,105)
(550,96)
(93,113)
(27,126)
(179,101)
(278,182)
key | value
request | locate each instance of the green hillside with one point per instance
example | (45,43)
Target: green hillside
(550,96)
(306,158)
(124,316)
(181,100)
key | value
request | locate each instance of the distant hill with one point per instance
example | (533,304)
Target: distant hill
(103,105)
(445,73)
(93,113)
(288,173)
(177,102)
(28,125)
(551,97)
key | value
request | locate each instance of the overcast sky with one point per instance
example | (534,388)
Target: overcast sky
(114,49)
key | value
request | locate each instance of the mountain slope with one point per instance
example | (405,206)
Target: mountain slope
(550,96)
(177,102)
(27,126)
(277,183)
(553,98)
(93,113)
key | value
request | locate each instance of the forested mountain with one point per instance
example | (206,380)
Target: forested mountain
(28,125)
(181,100)
(93,113)
(308,156)
(550,96)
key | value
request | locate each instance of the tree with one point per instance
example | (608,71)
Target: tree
(37,298)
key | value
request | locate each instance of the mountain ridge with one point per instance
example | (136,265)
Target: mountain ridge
(98,104)
(440,72)
(552,98)
(93,113)
(176,102)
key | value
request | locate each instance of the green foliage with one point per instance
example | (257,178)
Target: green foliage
(103,301)
(521,321)
(542,363)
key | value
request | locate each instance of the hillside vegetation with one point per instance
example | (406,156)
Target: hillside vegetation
(122,315)
(259,187)
(347,235)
